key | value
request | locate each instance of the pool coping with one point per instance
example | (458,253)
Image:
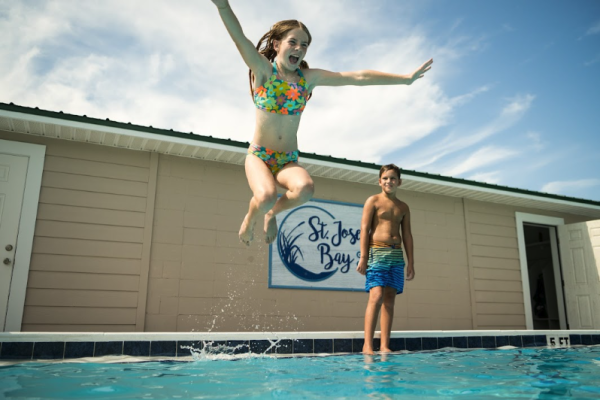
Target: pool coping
(72,345)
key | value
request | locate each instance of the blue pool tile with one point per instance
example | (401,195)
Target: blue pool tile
(304,346)
(595,339)
(49,350)
(528,340)
(460,342)
(474,342)
(414,344)
(342,345)
(540,340)
(488,342)
(163,348)
(430,343)
(376,344)
(575,339)
(183,347)
(516,341)
(444,342)
(502,341)
(357,345)
(260,347)
(136,348)
(323,345)
(108,349)
(284,347)
(586,340)
(17,351)
(397,344)
(79,349)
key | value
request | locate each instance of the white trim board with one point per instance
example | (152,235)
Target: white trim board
(16,301)
(535,219)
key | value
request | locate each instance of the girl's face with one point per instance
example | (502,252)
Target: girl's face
(291,49)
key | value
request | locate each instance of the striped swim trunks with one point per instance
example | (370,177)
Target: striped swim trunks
(385,266)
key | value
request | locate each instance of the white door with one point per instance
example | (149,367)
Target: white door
(580,256)
(13,171)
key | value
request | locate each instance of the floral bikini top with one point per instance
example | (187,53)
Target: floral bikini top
(281,97)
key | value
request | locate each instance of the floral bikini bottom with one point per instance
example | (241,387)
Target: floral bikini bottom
(275,160)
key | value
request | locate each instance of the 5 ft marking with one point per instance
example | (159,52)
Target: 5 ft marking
(558,341)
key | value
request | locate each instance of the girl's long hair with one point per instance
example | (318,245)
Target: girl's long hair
(266,47)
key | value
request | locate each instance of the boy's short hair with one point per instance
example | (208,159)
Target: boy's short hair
(388,167)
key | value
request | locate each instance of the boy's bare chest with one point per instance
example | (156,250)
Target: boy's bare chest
(389,211)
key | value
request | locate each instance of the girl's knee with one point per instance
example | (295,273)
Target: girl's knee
(265,199)
(307,190)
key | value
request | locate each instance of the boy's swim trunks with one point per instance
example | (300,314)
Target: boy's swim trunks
(385,266)
(275,160)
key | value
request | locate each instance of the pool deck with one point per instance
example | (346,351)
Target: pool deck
(71,345)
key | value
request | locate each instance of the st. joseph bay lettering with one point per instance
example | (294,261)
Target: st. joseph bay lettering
(317,247)
(328,258)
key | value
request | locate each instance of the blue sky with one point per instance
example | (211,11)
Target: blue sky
(513,97)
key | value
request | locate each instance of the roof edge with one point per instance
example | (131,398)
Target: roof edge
(330,159)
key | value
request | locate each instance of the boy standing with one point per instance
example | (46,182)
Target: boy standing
(385,226)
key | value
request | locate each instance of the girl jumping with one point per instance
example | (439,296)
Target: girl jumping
(281,84)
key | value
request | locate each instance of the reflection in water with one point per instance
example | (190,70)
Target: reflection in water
(478,374)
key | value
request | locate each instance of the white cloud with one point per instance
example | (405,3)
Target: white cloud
(594,29)
(508,116)
(536,139)
(488,177)
(483,157)
(563,187)
(172,65)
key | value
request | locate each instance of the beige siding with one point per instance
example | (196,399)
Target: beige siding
(86,265)
(203,279)
(496,286)
(129,241)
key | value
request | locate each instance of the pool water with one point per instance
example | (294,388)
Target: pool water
(478,374)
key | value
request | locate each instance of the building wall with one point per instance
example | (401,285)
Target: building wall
(495,270)
(202,278)
(130,241)
(86,271)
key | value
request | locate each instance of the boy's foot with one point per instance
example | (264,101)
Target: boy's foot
(367,350)
(246,231)
(270,228)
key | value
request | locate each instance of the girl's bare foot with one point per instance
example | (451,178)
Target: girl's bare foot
(246,231)
(270,227)
(367,350)
(385,350)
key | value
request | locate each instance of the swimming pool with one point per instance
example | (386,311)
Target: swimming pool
(479,374)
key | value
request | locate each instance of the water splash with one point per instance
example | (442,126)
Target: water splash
(214,351)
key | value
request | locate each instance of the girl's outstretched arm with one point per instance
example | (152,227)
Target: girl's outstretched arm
(253,59)
(320,77)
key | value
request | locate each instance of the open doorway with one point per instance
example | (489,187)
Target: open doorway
(541,272)
(542,279)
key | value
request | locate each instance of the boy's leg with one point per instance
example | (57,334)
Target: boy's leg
(264,191)
(300,188)
(387,317)
(371,314)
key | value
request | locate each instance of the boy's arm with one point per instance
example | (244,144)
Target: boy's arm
(365,227)
(253,59)
(321,77)
(407,240)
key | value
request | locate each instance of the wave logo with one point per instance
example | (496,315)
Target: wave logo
(314,245)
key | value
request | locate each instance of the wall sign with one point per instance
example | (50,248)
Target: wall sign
(317,247)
